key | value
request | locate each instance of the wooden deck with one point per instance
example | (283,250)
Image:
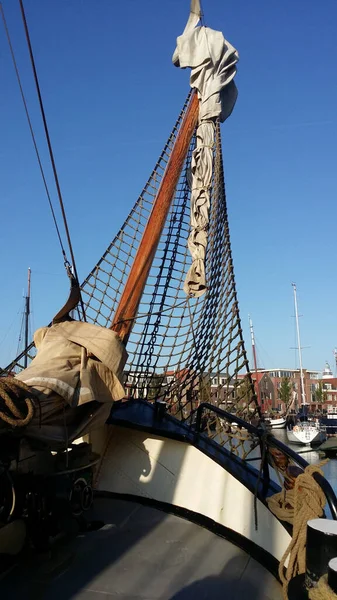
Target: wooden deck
(142,554)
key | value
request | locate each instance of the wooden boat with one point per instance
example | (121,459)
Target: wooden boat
(149,499)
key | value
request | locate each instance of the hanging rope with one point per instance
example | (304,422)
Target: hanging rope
(322,591)
(297,506)
(32,133)
(51,154)
(16,402)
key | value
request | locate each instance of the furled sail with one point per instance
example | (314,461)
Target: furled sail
(212,61)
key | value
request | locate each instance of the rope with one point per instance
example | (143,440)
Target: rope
(51,154)
(32,131)
(297,506)
(322,591)
(14,395)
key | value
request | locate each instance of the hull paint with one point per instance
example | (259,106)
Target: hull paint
(177,473)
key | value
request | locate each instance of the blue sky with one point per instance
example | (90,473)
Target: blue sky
(111,97)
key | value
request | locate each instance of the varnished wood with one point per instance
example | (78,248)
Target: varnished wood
(132,293)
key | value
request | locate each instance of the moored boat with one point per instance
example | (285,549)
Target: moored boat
(277,422)
(306,433)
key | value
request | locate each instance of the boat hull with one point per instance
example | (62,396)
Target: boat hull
(278,423)
(179,474)
(305,437)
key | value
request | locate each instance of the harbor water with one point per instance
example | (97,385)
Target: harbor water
(312,457)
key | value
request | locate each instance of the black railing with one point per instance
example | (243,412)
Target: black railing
(266,442)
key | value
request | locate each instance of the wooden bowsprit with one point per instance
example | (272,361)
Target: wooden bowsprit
(134,287)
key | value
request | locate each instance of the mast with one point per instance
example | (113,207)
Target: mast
(133,290)
(255,359)
(299,345)
(27,313)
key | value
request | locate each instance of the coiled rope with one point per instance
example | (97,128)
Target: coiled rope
(16,402)
(322,591)
(297,506)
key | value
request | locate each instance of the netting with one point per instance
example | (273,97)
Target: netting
(182,350)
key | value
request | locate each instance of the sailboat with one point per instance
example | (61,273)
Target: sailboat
(274,422)
(115,426)
(304,431)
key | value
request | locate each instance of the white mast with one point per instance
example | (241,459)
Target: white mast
(299,345)
(255,360)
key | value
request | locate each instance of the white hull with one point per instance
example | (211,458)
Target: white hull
(306,435)
(177,473)
(278,423)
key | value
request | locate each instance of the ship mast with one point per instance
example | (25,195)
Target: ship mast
(27,313)
(299,347)
(255,359)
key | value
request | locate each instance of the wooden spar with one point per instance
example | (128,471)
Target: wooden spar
(27,313)
(133,290)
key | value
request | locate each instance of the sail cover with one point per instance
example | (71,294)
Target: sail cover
(213,66)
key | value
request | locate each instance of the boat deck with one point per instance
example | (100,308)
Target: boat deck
(142,553)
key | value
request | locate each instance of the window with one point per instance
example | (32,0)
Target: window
(327,386)
(215,381)
(313,387)
(285,374)
(329,397)
(223,381)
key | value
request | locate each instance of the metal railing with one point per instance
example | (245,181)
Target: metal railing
(260,437)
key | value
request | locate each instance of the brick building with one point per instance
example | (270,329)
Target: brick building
(320,389)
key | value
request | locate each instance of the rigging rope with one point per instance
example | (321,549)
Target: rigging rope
(32,132)
(297,506)
(51,154)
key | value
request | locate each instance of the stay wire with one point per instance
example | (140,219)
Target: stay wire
(51,154)
(32,132)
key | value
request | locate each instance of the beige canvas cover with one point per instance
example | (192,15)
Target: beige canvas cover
(78,361)
(76,375)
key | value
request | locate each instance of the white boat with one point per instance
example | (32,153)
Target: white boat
(278,423)
(306,433)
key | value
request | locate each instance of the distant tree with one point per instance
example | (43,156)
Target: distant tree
(320,394)
(244,394)
(205,388)
(285,391)
(155,386)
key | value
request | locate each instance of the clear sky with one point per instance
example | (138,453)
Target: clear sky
(111,97)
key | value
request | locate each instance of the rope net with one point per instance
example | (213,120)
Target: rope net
(182,350)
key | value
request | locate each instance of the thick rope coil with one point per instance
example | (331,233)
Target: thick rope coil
(297,506)
(322,591)
(14,396)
